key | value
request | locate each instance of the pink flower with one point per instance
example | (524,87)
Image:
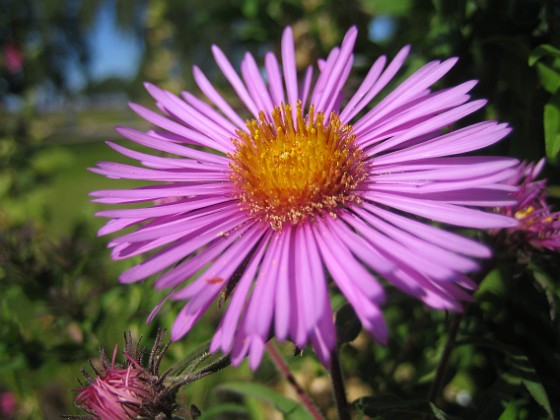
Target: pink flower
(313,186)
(115,393)
(130,391)
(8,404)
(538,226)
(13,57)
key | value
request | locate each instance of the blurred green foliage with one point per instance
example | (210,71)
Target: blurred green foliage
(546,59)
(59,297)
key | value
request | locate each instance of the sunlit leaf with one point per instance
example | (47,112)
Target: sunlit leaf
(552,127)
(511,411)
(549,77)
(541,51)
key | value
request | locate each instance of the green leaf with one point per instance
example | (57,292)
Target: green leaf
(511,411)
(6,181)
(250,8)
(228,410)
(389,7)
(544,50)
(522,371)
(288,407)
(525,370)
(548,77)
(439,414)
(52,159)
(489,405)
(491,292)
(552,127)
(14,364)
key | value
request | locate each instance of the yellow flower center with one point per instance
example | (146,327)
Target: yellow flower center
(291,171)
(523,213)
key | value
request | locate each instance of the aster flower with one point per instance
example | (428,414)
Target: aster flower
(13,57)
(130,391)
(538,227)
(311,186)
(8,404)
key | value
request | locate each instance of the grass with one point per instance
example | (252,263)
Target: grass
(81,142)
(67,201)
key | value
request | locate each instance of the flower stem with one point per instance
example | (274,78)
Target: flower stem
(338,387)
(283,368)
(449,345)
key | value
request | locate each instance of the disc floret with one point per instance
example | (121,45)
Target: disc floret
(289,168)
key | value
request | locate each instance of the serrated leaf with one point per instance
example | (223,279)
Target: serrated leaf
(289,408)
(551,121)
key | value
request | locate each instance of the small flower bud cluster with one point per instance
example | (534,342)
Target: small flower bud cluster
(130,390)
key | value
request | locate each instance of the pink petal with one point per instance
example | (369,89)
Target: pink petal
(234,80)
(442,212)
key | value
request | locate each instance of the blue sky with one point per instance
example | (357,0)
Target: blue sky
(113,53)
